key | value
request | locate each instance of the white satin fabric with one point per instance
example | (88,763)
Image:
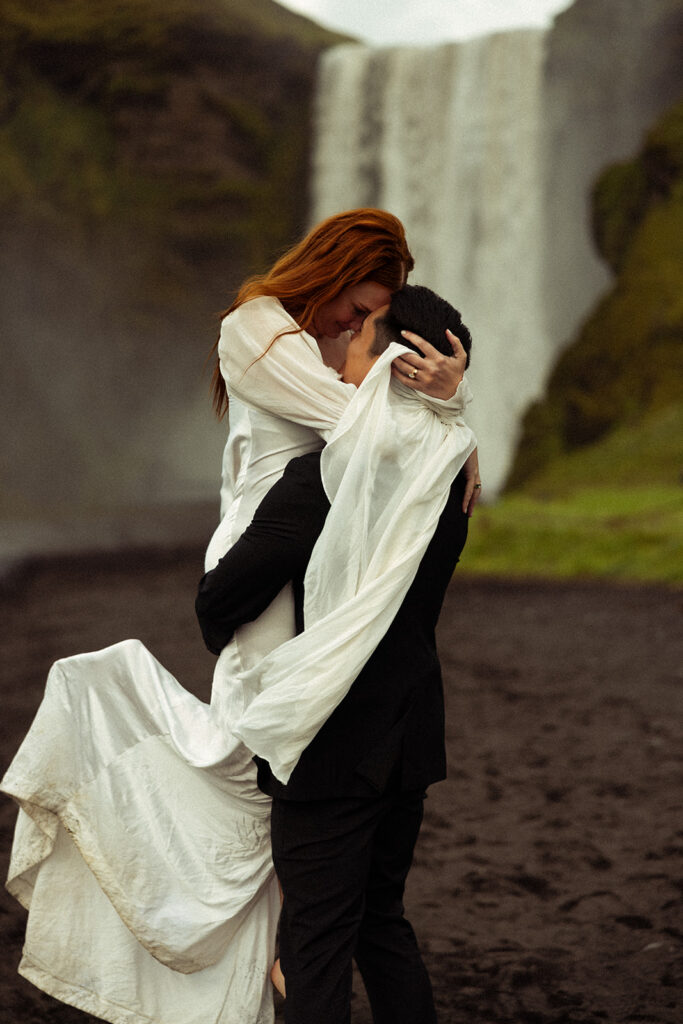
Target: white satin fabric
(284,402)
(387,470)
(142,847)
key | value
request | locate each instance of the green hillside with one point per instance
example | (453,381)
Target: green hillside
(611,510)
(596,488)
(188,119)
(628,360)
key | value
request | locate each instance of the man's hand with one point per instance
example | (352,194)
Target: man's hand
(436,375)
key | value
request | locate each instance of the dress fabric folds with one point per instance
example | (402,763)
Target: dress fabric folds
(142,850)
(387,470)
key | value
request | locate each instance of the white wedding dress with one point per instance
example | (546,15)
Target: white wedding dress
(142,847)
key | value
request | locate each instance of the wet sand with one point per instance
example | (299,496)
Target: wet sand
(548,880)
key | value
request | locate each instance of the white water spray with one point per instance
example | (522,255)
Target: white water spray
(448,139)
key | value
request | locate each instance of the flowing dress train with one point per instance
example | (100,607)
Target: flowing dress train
(142,850)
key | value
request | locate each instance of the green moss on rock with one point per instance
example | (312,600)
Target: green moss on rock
(628,359)
(106,107)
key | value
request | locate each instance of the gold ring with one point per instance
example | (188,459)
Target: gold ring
(413,374)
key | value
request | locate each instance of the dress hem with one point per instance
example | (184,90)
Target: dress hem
(79,997)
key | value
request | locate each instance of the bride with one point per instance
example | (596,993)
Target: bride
(142,844)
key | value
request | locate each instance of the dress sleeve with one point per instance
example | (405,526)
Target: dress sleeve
(449,408)
(286,377)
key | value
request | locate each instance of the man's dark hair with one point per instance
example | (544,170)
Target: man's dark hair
(420,310)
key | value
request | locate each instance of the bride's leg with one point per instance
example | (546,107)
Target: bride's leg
(276,975)
(278,978)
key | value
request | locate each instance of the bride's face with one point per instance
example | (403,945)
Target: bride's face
(349,309)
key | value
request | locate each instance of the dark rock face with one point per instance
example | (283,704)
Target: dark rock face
(153,155)
(627,362)
(612,68)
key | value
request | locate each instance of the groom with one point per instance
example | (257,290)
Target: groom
(345,825)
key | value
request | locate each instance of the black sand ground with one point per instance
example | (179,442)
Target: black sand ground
(548,881)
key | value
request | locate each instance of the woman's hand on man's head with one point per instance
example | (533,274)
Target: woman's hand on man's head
(435,375)
(438,376)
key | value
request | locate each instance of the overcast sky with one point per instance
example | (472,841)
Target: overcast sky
(391,22)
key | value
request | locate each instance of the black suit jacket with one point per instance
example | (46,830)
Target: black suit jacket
(389,729)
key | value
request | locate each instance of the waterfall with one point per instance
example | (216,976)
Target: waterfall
(448,139)
(488,150)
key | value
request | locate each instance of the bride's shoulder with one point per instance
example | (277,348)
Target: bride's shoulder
(251,329)
(252,322)
(264,309)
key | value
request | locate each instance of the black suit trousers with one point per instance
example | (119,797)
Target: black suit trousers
(342,865)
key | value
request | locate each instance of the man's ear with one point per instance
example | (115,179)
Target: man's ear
(382,337)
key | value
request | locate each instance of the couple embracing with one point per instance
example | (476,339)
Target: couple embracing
(147,816)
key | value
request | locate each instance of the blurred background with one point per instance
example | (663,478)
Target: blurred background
(153,153)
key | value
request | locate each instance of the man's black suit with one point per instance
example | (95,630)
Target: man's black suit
(345,825)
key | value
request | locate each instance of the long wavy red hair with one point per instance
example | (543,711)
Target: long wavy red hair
(347,248)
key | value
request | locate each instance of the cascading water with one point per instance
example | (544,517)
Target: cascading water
(488,151)
(448,139)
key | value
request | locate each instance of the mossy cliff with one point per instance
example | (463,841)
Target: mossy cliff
(626,367)
(152,154)
(192,114)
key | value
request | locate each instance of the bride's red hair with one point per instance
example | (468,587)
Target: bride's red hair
(347,248)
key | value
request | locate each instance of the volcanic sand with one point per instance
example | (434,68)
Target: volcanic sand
(547,886)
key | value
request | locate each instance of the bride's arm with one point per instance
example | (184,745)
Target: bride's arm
(441,383)
(285,374)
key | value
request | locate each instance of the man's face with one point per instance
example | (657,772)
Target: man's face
(358,356)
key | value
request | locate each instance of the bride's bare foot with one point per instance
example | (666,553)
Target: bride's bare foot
(278,978)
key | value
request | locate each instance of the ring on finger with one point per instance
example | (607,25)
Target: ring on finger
(412,375)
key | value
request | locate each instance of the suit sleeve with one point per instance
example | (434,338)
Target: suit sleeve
(273,550)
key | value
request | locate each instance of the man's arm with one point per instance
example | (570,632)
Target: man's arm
(273,550)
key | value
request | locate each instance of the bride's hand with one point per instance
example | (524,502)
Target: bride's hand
(473,483)
(436,375)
